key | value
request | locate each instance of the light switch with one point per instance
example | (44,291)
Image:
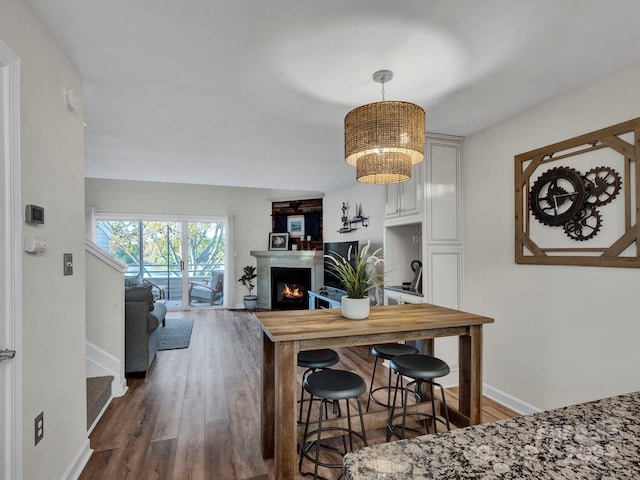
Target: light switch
(68,263)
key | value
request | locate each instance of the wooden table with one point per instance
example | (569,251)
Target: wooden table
(285,333)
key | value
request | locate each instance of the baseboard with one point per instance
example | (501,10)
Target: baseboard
(78,463)
(509,401)
(101,363)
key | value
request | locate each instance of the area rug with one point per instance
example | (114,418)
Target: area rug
(176,333)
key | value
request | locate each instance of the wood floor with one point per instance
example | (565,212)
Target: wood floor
(196,415)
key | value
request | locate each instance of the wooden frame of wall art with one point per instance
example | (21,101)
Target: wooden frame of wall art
(577,201)
(279,241)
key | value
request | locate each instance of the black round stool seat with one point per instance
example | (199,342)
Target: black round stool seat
(314,360)
(386,351)
(335,384)
(419,366)
(422,369)
(390,350)
(321,358)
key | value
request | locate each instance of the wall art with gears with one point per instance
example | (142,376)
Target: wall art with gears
(577,201)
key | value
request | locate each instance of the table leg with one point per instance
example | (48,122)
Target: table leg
(267,410)
(470,359)
(286,439)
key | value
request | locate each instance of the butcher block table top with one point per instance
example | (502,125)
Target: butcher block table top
(313,325)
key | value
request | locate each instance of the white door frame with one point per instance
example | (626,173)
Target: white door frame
(11,226)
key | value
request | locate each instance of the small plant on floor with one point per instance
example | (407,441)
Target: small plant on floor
(248,274)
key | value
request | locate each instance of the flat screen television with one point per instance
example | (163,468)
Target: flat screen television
(341,248)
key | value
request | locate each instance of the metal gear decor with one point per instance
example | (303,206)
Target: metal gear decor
(602,185)
(557,196)
(584,225)
(563,197)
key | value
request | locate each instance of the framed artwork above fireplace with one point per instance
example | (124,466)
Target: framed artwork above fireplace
(295,226)
(279,241)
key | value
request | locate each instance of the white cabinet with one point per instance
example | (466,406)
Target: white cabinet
(424,222)
(406,198)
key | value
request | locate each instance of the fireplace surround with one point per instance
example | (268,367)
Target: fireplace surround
(301,259)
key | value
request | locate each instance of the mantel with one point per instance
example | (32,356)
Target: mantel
(266,259)
(286,253)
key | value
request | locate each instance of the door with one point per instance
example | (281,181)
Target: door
(162,259)
(205,253)
(182,260)
(10,266)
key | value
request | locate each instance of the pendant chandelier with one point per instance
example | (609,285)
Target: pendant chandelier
(383,140)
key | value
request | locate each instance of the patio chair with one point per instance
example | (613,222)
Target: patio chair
(207,293)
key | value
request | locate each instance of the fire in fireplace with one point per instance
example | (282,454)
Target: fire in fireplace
(289,287)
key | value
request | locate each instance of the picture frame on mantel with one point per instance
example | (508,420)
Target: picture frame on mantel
(295,226)
(279,241)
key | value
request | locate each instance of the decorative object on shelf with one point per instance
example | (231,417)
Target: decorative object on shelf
(278,241)
(561,196)
(248,274)
(384,139)
(347,223)
(295,226)
(358,278)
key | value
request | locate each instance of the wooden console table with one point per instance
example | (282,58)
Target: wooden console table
(285,333)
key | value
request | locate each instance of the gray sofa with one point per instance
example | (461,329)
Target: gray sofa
(142,318)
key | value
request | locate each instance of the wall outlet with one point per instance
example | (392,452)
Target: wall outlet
(68,263)
(39,428)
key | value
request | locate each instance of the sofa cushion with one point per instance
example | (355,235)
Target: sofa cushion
(139,294)
(152,322)
(156,316)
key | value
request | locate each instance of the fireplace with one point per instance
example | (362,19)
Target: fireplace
(289,288)
(269,260)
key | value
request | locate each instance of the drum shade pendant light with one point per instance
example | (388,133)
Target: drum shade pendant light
(383,140)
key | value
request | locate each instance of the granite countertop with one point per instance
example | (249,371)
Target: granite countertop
(595,440)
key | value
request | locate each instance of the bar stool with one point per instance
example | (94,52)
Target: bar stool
(421,368)
(386,351)
(331,385)
(314,360)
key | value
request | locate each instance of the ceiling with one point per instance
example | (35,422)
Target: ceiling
(253,93)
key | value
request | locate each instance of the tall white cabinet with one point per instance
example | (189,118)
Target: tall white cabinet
(423,222)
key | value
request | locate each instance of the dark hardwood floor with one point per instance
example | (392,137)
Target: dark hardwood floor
(196,415)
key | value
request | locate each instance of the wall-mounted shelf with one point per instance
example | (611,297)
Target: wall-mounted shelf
(348,223)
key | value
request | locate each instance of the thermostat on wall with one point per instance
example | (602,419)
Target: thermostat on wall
(34,214)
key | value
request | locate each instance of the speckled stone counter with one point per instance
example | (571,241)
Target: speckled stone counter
(595,440)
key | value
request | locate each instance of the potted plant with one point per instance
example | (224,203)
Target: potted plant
(248,274)
(358,277)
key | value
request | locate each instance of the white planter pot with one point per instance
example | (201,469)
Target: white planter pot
(355,308)
(250,302)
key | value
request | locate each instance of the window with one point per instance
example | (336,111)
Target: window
(182,260)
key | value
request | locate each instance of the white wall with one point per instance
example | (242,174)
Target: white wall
(105,308)
(252,208)
(53,321)
(562,334)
